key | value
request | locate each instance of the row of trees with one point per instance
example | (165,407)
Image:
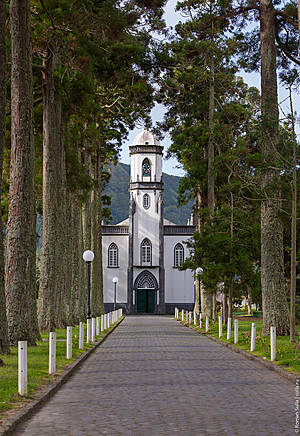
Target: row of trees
(75,76)
(79,79)
(240,161)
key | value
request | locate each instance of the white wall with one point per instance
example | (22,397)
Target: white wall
(146,225)
(179,285)
(120,272)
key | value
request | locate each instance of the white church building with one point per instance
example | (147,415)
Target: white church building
(144,251)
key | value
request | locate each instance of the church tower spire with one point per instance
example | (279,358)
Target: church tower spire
(146,220)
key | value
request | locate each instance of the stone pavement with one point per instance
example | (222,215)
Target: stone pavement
(153,377)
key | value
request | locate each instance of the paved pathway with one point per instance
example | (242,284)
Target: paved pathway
(154,377)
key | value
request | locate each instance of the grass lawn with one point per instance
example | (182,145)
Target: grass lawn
(286,355)
(38,361)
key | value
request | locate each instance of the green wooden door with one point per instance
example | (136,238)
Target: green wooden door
(150,301)
(142,300)
(145,300)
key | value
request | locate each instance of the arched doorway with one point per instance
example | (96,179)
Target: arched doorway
(145,286)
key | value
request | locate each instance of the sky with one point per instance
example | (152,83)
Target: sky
(172,166)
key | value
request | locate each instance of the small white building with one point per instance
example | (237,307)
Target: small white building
(144,251)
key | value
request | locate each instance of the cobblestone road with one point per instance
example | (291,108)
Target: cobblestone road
(155,377)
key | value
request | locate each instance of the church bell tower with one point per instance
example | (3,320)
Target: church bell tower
(146,243)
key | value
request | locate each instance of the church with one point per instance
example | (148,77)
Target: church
(144,251)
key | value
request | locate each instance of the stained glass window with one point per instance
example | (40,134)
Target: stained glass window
(146,168)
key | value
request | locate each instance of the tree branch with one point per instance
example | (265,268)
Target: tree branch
(48,13)
(284,49)
(287,18)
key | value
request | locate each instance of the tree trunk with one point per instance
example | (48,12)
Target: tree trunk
(211,149)
(97,305)
(63,304)
(293,233)
(20,268)
(4,345)
(249,300)
(86,223)
(76,259)
(230,297)
(274,301)
(81,266)
(224,308)
(48,278)
(198,302)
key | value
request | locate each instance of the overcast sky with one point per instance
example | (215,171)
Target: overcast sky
(171,166)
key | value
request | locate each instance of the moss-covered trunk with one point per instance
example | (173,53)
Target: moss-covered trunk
(4,346)
(274,300)
(20,268)
(96,239)
(48,278)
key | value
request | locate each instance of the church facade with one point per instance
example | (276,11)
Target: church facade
(144,251)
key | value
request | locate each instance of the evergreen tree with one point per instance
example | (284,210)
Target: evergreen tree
(20,240)
(4,346)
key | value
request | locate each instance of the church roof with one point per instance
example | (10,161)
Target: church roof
(145,138)
(126,223)
(123,223)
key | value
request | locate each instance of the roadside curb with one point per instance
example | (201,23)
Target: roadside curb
(267,364)
(10,424)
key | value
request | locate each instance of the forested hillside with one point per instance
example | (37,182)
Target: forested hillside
(118,186)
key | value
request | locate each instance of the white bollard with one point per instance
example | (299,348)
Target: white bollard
(22,367)
(93,329)
(195,318)
(253,336)
(69,342)
(220,327)
(186,315)
(273,343)
(88,330)
(175,313)
(190,317)
(200,320)
(97,326)
(236,331)
(81,335)
(206,324)
(102,323)
(229,322)
(108,320)
(182,315)
(52,353)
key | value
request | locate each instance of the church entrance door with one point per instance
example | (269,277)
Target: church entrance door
(145,300)
(145,286)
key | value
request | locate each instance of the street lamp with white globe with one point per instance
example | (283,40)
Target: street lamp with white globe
(115,282)
(88,257)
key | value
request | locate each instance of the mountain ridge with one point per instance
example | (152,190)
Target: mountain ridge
(118,189)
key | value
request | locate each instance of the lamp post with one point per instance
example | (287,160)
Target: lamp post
(199,271)
(115,281)
(88,257)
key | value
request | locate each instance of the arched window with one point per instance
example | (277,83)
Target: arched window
(178,255)
(146,201)
(112,256)
(146,168)
(146,252)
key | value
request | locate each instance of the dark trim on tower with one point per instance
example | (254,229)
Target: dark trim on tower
(130,307)
(162,305)
(146,185)
(148,149)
